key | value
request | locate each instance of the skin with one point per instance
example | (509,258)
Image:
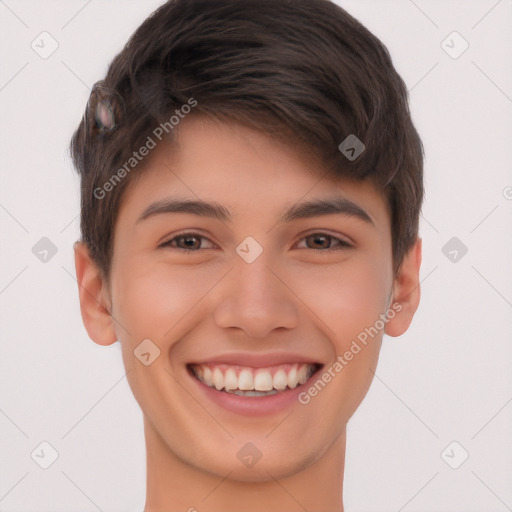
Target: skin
(297,296)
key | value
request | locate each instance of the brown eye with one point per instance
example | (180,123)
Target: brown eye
(319,241)
(323,241)
(186,241)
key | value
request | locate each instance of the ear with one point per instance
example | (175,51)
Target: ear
(94,298)
(406,292)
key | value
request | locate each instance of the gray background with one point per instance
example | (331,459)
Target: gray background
(447,379)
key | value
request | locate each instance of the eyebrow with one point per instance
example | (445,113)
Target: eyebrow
(328,206)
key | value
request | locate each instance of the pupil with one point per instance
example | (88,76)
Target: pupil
(189,241)
(324,238)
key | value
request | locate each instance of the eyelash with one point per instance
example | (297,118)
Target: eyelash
(342,243)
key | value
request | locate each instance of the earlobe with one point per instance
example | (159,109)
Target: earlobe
(94,300)
(406,292)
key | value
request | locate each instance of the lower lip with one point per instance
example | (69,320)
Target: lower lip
(253,405)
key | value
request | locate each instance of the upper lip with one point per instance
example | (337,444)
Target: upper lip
(253,360)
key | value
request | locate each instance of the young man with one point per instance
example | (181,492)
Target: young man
(251,186)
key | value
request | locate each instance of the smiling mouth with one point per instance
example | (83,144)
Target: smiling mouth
(248,381)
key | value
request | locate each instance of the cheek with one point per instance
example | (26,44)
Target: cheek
(151,299)
(350,300)
(347,298)
(160,302)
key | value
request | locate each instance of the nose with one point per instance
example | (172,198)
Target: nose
(255,299)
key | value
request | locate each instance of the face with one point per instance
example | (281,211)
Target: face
(262,288)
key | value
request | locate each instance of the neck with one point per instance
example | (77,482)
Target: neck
(173,485)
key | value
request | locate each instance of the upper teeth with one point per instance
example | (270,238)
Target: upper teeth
(244,378)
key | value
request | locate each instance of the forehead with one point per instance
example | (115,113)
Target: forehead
(247,172)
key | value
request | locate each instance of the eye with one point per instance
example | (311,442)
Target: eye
(323,241)
(186,241)
(192,242)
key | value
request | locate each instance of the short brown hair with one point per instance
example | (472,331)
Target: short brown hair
(303,70)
